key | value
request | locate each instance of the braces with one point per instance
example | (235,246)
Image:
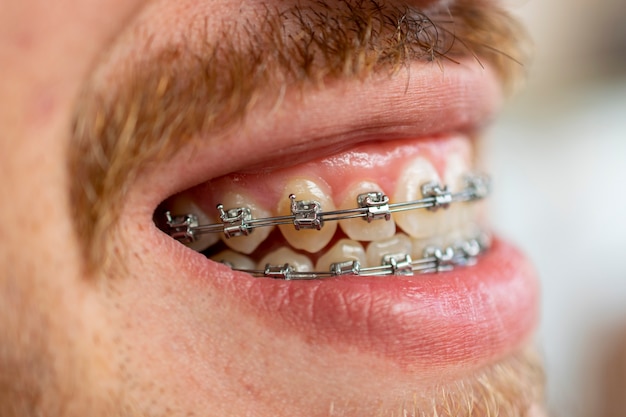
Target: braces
(435,259)
(308,214)
(371,206)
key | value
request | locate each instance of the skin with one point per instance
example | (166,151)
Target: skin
(79,338)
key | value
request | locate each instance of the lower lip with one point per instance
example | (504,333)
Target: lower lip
(470,316)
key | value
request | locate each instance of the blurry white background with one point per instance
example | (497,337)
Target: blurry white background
(559,158)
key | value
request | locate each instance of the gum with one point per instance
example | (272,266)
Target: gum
(380,162)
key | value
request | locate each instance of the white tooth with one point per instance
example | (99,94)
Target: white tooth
(448,239)
(237,260)
(246,244)
(343,250)
(419,223)
(284,255)
(472,229)
(183,204)
(399,243)
(360,229)
(420,244)
(457,165)
(306,189)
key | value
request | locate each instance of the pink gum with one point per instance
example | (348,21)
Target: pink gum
(380,162)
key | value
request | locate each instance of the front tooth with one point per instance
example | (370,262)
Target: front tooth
(457,165)
(457,214)
(281,256)
(360,229)
(420,223)
(237,260)
(306,189)
(397,244)
(343,250)
(246,244)
(183,204)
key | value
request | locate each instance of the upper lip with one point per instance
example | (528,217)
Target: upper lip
(424,101)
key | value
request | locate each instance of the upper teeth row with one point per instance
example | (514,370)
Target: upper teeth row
(308,214)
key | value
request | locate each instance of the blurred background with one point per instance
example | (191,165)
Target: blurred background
(559,158)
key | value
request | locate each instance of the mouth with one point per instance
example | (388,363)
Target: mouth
(420,130)
(340,221)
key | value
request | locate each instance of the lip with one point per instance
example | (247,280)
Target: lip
(470,316)
(432,322)
(425,101)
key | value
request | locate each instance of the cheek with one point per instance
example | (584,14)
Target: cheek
(180,346)
(50,51)
(50,322)
(52,353)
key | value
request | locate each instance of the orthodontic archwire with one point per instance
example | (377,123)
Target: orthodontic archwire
(371,206)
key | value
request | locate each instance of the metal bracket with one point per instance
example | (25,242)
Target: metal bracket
(235,221)
(345,268)
(444,258)
(306,214)
(278,271)
(478,185)
(377,204)
(442,197)
(401,263)
(181,227)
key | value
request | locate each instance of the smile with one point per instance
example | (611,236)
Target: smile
(474,314)
(437,242)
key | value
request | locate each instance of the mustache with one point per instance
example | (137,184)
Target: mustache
(162,102)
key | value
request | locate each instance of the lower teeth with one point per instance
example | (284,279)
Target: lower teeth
(434,259)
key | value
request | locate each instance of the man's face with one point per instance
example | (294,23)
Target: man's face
(114,113)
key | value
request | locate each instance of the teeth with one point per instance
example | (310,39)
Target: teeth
(417,223)
(305,189)
(183,204)
(419,245)
(343,250)
(397,244)
(360,229)
(246,244)
(237,260)
(300,262)
(456,167)
(416,229)
(449,239)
